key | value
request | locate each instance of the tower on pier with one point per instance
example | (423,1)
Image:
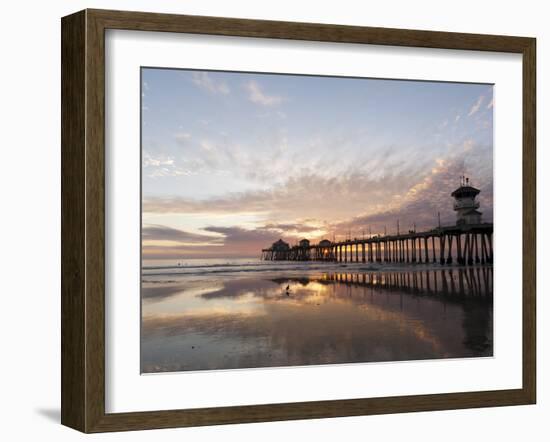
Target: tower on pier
(465,204)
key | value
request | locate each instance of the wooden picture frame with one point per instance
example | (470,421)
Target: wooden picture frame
(83,220)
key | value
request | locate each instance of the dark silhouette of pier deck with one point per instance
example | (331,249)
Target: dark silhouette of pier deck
(466,244)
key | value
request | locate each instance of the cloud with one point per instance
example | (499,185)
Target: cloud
(166,166)
(310,194)
(307,196)
(205,81)
(476,106)
(232,235)
(317,207)
(316,181)
(258,96)
(491,103)
(457,118)
(422,202)
(182,137)
(268,160)
(150,161)
(295,227)
(230,242)
(144,89)
(157,232)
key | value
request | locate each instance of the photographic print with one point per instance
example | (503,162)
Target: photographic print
(298,220)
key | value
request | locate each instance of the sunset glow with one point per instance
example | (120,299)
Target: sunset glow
(231,162)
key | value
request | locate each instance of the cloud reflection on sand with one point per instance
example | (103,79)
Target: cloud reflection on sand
(323,318)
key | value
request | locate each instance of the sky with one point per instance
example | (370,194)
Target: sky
(232,161)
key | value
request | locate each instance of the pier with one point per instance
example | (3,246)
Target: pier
(464,244)
(468,242)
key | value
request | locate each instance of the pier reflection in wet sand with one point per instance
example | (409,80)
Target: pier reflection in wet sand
(323,318)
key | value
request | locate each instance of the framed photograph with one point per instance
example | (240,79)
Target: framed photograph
(271,220)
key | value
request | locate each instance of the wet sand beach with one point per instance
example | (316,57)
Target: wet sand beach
(245,315)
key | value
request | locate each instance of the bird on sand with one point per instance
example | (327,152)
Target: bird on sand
(287,290)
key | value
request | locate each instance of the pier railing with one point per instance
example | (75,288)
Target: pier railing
(465,244)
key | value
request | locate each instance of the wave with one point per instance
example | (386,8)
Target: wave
(200,266)
(270,266)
